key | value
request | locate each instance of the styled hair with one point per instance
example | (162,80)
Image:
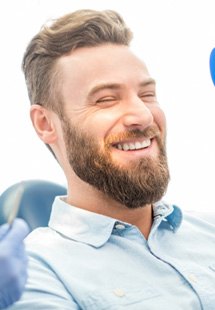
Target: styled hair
(82,28)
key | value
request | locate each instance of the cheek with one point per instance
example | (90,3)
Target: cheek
(99,124)
(160,119)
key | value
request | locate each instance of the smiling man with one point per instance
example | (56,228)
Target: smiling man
(112,242)
(113,130)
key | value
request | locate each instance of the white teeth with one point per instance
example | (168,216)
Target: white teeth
(119,146)
(125,147)
(138,145)
(146,143)
(134,146)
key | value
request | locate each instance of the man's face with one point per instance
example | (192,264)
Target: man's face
(113,127)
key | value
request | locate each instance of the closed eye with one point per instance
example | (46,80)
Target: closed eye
(148,97)
(106,101)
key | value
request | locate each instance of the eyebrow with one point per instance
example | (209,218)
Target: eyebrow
(102,86)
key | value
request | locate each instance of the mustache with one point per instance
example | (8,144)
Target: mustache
(147,133)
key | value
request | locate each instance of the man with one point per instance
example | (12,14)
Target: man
(13,262)
(111,243)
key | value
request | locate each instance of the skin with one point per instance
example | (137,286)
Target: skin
(106,90)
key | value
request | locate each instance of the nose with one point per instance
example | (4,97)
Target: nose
(137,115)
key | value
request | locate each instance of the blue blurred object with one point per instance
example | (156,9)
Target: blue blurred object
(35,203)
(212,65)
(13,262)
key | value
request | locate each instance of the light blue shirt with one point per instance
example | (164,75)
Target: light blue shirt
(84,260)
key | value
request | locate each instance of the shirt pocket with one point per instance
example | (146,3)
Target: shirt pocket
(121,297)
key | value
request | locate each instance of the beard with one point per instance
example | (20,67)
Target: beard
(141,182)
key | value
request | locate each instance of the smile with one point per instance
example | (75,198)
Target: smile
(130,146)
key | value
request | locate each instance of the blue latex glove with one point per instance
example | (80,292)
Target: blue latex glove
(13,262)
(212,65)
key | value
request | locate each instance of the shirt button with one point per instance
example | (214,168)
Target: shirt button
(119,292)
(120,226)
(192,278)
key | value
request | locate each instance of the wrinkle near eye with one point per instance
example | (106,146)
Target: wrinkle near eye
(81,111)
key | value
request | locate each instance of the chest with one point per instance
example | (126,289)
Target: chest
(126,273)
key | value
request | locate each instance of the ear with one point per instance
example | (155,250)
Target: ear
(44,124)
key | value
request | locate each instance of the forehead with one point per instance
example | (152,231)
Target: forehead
(86,67)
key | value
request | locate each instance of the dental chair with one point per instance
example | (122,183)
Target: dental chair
(35,201)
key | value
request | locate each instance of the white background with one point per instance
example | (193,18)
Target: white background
(174,37)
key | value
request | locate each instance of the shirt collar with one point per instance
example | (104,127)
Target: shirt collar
(79,224)
(95,229)
(168,213)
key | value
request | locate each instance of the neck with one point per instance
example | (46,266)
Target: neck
(95,201)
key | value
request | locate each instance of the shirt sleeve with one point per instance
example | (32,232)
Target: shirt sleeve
(44,290)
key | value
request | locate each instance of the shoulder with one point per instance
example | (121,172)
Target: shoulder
(197,216)
(47,246)
(44,262)
(40,236)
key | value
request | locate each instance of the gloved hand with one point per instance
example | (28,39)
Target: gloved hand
(13,262)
